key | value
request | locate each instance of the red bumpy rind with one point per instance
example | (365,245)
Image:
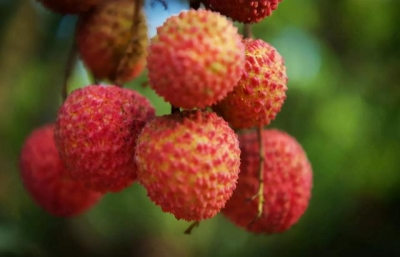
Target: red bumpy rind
(261,92)
(195,59)
(287,183)
(189,163)
(246,11)
(47,180)
(96,131)
(108,46)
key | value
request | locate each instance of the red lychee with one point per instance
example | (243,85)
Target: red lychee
(69,6)
(106,44)
(189,163)
(247,11)
(47,180)
(195,59)
(261,91)
(96,130)
(287,183)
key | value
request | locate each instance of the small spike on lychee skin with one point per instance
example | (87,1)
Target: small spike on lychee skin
(189,163)
(249,11)
(69,6)
(106,44)
(96,131)
(287,183)
(47,180)
(195,59)
(261,91)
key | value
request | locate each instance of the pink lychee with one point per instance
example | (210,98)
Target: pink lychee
(195,59)
(189,163)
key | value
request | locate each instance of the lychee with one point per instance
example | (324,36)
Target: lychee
(69,6)
(247,11)
(108,46)
(189,163)
(195,59)
(47,180)
(96,130)
(287,183)
(261,91)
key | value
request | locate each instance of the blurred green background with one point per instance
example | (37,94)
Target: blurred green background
(343,103)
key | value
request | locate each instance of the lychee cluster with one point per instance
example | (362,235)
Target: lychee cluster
(187,61)
(190,161)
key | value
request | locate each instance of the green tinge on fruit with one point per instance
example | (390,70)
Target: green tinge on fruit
(189,163)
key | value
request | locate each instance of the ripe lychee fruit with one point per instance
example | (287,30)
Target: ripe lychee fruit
(287,183)
(243,11)
(47,180)
(195,59)
(96,130)
(106,42)
(261,91)
(69,6)
(189,163)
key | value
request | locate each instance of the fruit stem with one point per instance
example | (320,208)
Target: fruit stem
(195,4)
(137,7)
(260,192)
(247,31)
(175,109)
(72,57)
(191,227)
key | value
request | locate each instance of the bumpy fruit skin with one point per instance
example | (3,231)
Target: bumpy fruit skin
(69,6)
(47,180)
(261,91)
(195,59)
(96,130)
(287,183)
(189,163)
(103,37)
(247,11)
